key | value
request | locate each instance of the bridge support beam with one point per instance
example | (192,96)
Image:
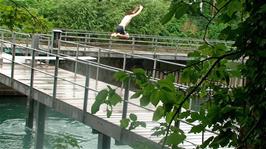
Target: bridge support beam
(103,141)
(30,102)
(30,116)
(40,125)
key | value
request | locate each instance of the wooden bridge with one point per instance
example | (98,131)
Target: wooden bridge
(73,94)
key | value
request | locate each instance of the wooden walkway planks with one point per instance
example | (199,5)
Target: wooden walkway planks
(74,95)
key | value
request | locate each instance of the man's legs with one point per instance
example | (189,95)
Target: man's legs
(114,34)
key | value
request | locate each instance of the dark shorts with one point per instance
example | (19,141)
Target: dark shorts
(120,29)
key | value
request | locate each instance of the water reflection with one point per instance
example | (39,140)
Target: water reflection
(14,135)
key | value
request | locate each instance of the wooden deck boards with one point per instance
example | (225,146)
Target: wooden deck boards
(74,94)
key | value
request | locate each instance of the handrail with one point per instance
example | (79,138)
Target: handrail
(120,52)
(91,63)
(86,32)
(19,33)
(144,36)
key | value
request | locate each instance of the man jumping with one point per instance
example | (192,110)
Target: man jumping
(121,28)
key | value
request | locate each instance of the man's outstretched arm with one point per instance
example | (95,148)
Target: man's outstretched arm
(138,12)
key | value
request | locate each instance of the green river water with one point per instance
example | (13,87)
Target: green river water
(14,135)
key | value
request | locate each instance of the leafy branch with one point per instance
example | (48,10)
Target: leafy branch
(251,130)
(193,90)
(35,19)
(193,64)
(209,22)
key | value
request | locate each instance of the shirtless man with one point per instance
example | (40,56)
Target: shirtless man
(120,30)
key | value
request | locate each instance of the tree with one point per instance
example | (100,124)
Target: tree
(15,15)
(235,113)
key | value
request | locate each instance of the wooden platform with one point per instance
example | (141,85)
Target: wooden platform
(69,101)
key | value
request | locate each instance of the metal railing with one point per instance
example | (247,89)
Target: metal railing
(152,43)
(88,64)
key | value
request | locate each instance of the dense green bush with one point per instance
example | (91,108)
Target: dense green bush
(104,16)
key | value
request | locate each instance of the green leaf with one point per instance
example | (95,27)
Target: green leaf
(139,71)
(168,97)
(184,114)
(124,123)
(101,96)
(169,116)
(99,100)
(195,116)
(121,76)
(234,7)
(142,124)
(158,114)
(155,97)
(115,99)
(95,107)
(194,9)
(133,117)
(169,15)
(206,142)
(144,101)
(175,139)
(166,85)
(168,107)
(182,9)
(197,129)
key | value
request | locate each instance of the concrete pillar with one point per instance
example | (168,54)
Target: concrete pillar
(103,141)
(40,124)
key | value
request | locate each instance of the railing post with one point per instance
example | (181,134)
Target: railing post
(86,93)
(30,101)
(56,44)
(154,68)
(125,106)
(133,45)
(55,78)
(155,46)
(176,49)
(76,63)
(2,49)
(110,43)
(89,41)
(125,103)
(49,47)
(124,61)
(86,40)
(124,68)
(13,58)
(97,69)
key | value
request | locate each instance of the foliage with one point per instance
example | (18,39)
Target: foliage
(65,141)
(108,97)
(235,113)
(16,16)
(132,122)
(105,15)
